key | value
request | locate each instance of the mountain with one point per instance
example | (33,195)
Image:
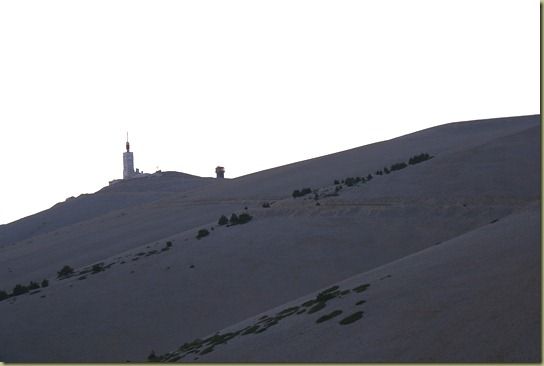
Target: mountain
(450,249)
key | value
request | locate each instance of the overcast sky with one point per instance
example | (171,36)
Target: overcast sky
(249,85)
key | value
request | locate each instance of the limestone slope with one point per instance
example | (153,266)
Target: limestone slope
(474,298)
(148,294)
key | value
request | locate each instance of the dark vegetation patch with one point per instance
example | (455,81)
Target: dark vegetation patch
(251,329)
(65,272)
(23,289)
(352,181)
(264,322)
(352,318)
(288,311)
(317,307)
(361,288)
(223,220)
(302,192)
(416,159)
(202,233)
(98,267)
(329,316)
(206,350)
(360,302)
(398,166)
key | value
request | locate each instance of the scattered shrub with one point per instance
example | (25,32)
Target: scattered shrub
(317,307)
(244,218)
(329,316)
(33,285)
(302,192)
(223,220)
(233,219)
(398,166)
(369,177)
(266,205)
(251,329)
(386,171)
(336,182)
(169,243)
(379,172)
(19,290)
(65,271)
(206,350)
(352,318)
(202,233)
(45,283)
(3,295)
(350,181)
(361,288)
(98,267)
(419,158)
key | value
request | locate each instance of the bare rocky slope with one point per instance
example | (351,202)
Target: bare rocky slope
(458,235)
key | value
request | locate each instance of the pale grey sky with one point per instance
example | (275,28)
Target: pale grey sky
(245,84)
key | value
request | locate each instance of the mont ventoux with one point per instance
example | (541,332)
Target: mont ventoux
(423,248)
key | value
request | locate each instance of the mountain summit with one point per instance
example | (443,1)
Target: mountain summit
(423,248)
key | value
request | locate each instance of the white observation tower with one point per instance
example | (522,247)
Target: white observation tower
(128,162)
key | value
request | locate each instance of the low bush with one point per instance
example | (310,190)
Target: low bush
(361,288)
(33,285)
(419,158)
(244,217)
(350,181)
(302,192)
(3,295)
(45,283)
(398,166)
(65,271)
(223,220)
(98,267)
(320,305)
(352,318)
(266,205)
(202,233)
(168,244)
(329,316)
(233,219)
(19,290)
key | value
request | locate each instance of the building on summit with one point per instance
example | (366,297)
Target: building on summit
(220,172)
(128,164)
(130,173)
